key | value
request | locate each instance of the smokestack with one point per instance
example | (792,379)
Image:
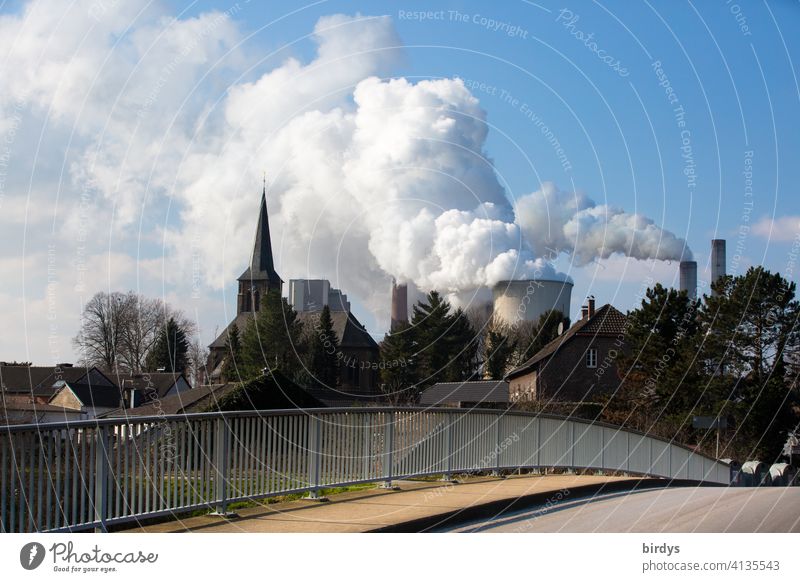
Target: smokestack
(718,260)
(688,278)
(399,313)
(590,305)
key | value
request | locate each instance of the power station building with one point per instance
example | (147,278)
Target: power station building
(358,352)
(528,299)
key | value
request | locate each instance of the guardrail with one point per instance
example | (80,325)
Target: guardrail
(94,474)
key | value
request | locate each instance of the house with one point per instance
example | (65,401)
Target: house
(15,410)
(40,383)
(184,402)
(471,394)
(139,389)
(92,400)
(577,365)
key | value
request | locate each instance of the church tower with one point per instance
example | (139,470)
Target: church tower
(260,277)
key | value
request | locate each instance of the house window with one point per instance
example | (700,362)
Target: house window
(591,358)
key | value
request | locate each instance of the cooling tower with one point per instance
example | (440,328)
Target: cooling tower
(399,314)
(688,278)
(526,300)
(718,260)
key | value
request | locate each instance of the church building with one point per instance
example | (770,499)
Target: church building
(359,353)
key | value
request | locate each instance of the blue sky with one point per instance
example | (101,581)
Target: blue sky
(737,85)
(172,176)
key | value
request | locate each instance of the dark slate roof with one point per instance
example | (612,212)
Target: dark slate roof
(241,321)
(161,382)
(40,380)
(195,400)
(341,398)
(349,331)
(36,407)
(488,391)
(23,378)
(606,322)
(262,267)
(95,396)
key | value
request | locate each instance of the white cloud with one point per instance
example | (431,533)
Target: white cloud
(780,229)
(165,134)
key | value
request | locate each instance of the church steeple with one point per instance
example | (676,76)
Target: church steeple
(260,276)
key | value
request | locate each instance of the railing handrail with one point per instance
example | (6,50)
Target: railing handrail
(128,420)
(90,473)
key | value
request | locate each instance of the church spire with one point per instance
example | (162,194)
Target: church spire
(262,266)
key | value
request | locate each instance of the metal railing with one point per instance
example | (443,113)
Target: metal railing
(94,474)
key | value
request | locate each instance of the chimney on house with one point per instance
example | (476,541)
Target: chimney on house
(590,305)
(584,312)
(399,313)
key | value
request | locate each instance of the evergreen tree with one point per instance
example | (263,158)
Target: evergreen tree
(498,349)
(461,342)
(272,339)
(323,351)
(445,343)
(659,372)
(398,374)
(431,321)
(171,349)
(750,328)
(233,355)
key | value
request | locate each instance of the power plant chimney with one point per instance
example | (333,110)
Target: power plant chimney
(718,260)
(399,314)
(688,278)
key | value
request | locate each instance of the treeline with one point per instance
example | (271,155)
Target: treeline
(440,344)
(733,355)
(275,339)
(129,333)
(443,344)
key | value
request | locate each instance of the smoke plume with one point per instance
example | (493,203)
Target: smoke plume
(369,176)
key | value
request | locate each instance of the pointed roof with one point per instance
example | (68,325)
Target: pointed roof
(262,266)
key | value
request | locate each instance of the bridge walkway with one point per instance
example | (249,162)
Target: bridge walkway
(412,506)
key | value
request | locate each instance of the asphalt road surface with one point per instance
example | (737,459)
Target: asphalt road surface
(678,509)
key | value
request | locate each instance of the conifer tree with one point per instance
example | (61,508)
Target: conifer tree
(170,350)
(323,351)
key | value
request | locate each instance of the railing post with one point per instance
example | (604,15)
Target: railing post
(314,457)
(221,446)
(572,446)
(388,448)
(628,458)
(101,479)
(498,445)
(448,451)
(602,450)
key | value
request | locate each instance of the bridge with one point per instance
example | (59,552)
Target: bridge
(97,474)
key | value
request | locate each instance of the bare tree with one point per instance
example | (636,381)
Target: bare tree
(119,330)
(198,354)
(100,337)
(144,318)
